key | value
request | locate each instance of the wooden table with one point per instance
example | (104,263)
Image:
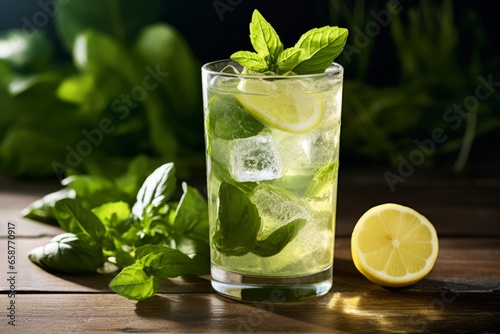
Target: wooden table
(460,295)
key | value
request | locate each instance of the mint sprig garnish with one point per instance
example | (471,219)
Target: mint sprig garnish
(313,53)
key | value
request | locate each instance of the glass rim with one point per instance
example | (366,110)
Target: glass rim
(334,69)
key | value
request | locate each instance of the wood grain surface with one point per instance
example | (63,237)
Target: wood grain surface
(460,295)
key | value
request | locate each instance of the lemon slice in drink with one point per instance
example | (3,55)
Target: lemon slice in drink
(288,105)
(393,245)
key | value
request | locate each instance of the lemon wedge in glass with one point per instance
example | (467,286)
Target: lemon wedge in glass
(393,245)
(288,105)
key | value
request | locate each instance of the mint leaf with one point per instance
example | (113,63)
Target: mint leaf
(288,59)
(250,60)
(264,38)
(321,46)
(313,53)
(74,218)
(229,120)
(277,240)
(238,224)
(134,283)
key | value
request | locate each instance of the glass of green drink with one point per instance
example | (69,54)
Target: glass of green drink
(272,150)
(272,158)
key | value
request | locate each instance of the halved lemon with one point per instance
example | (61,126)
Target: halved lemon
(288,105)
(393,245)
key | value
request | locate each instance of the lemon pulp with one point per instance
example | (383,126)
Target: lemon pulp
(288,105)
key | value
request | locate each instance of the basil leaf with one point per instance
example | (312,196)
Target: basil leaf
(156,190)
(191,210)
(322,180)
(230,120)
(190,245)
(162,261)
(43,209)
(123,259)
(238,224)
(74,218)
(112,214)
(321,46)
(277,240)
(250,60)
(68,253)
(93,190)
(134,283)
(288,59)
(191,228)
(264,38)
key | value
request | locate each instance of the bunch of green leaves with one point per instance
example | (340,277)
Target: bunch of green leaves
(313,53)
(92,190)
(137,77)
(433,68)
(154,238)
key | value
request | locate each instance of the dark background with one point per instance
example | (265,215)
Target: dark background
(213,35)
(212,38)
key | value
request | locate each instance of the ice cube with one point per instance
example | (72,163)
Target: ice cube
(228,81)
(306,152)
(310,251)
(277,207)
(255,159)
(323,145)
(225,83)
(230,69)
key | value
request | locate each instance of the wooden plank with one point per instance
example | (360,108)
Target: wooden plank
(454,211)
(342,312)
(455,207)
(31,278)
(462,265)
(14,197)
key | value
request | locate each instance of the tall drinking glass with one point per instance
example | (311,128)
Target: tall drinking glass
(272,150)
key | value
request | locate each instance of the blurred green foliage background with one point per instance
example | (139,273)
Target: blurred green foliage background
(86,86)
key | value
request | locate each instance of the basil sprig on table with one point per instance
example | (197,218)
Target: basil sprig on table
(313,53)
(156,238)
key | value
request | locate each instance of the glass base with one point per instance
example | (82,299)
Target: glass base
(271,289)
